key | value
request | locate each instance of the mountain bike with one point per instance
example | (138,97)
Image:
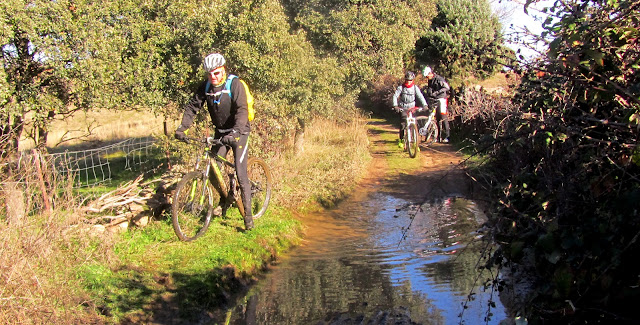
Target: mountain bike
(212,188)
(410,136)
(427,128)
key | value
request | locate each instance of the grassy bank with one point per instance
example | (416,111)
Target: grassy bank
(54,272)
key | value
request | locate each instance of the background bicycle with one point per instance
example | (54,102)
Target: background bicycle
(427,128)
(212,188)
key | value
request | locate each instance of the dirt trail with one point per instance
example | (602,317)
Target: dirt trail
(438,172)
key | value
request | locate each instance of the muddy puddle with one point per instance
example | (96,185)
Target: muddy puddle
(393,253)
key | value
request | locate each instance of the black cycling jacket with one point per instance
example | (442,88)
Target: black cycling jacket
(437,87)
(225,112)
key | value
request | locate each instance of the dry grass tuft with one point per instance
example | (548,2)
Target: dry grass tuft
(37,280)
(338,151)
(100,126)
(38,252)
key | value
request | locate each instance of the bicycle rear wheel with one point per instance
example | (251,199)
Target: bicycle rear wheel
(412,140)
(260,179)
(192,207)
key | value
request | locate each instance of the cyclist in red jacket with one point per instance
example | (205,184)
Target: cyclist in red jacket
(407,96)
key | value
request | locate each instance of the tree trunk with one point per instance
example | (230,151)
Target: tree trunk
(10,135)
(298,145)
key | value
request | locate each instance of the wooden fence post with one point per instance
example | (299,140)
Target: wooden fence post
(43,187)
(14,197)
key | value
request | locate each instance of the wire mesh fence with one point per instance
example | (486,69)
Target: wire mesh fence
(96,166)
(37,181)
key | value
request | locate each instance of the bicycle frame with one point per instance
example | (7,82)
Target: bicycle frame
(410,133)
(430,119)
(213,187)
(427,127)
(216,178)
(410,120)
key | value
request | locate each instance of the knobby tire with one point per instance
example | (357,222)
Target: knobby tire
(260,179)
(193,204)
(432,134)
(412,141)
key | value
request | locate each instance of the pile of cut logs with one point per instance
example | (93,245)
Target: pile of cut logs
(132,204)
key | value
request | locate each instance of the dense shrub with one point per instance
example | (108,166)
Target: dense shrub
(566,170)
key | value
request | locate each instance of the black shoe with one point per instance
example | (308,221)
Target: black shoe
(248,223)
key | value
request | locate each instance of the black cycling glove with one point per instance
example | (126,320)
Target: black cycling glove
(180,135)
(231,139)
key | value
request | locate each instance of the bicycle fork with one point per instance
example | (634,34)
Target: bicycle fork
(194,186)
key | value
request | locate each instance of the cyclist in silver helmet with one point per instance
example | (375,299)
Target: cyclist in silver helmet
(229,112)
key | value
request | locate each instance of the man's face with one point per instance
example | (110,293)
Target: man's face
(215,76)
(430,75)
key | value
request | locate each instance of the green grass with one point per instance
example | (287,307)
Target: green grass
(70,274)
(398,160)
(200,272)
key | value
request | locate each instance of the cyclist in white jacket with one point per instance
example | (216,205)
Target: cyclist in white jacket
(437,91)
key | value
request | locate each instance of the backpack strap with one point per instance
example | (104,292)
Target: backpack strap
(227,85)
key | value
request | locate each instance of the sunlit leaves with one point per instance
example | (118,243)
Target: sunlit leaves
(465,39)
(376,37)
(581,148)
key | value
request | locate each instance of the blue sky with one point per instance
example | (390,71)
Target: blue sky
(515,19)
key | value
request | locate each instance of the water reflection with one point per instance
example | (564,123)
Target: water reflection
(378,259)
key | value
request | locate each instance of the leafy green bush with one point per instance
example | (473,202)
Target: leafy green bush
(564,169)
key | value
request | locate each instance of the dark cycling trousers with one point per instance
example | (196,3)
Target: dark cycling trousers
(403,124)
(443,119)
(241,156)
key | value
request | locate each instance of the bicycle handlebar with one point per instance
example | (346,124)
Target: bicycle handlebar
(413,109)
(208,140)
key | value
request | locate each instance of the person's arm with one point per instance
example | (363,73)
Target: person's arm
(396,95)
(240,98)
(423,102)
(443,88)
(429,90)
(192,107)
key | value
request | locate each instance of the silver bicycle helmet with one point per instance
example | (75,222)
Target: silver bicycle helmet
(409,75)
(213,61)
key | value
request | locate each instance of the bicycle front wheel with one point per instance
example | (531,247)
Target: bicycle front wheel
(260,179)
(431,134)
(192,207)
(412,140)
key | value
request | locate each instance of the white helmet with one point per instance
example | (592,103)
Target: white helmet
(213,61)
(426,71)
